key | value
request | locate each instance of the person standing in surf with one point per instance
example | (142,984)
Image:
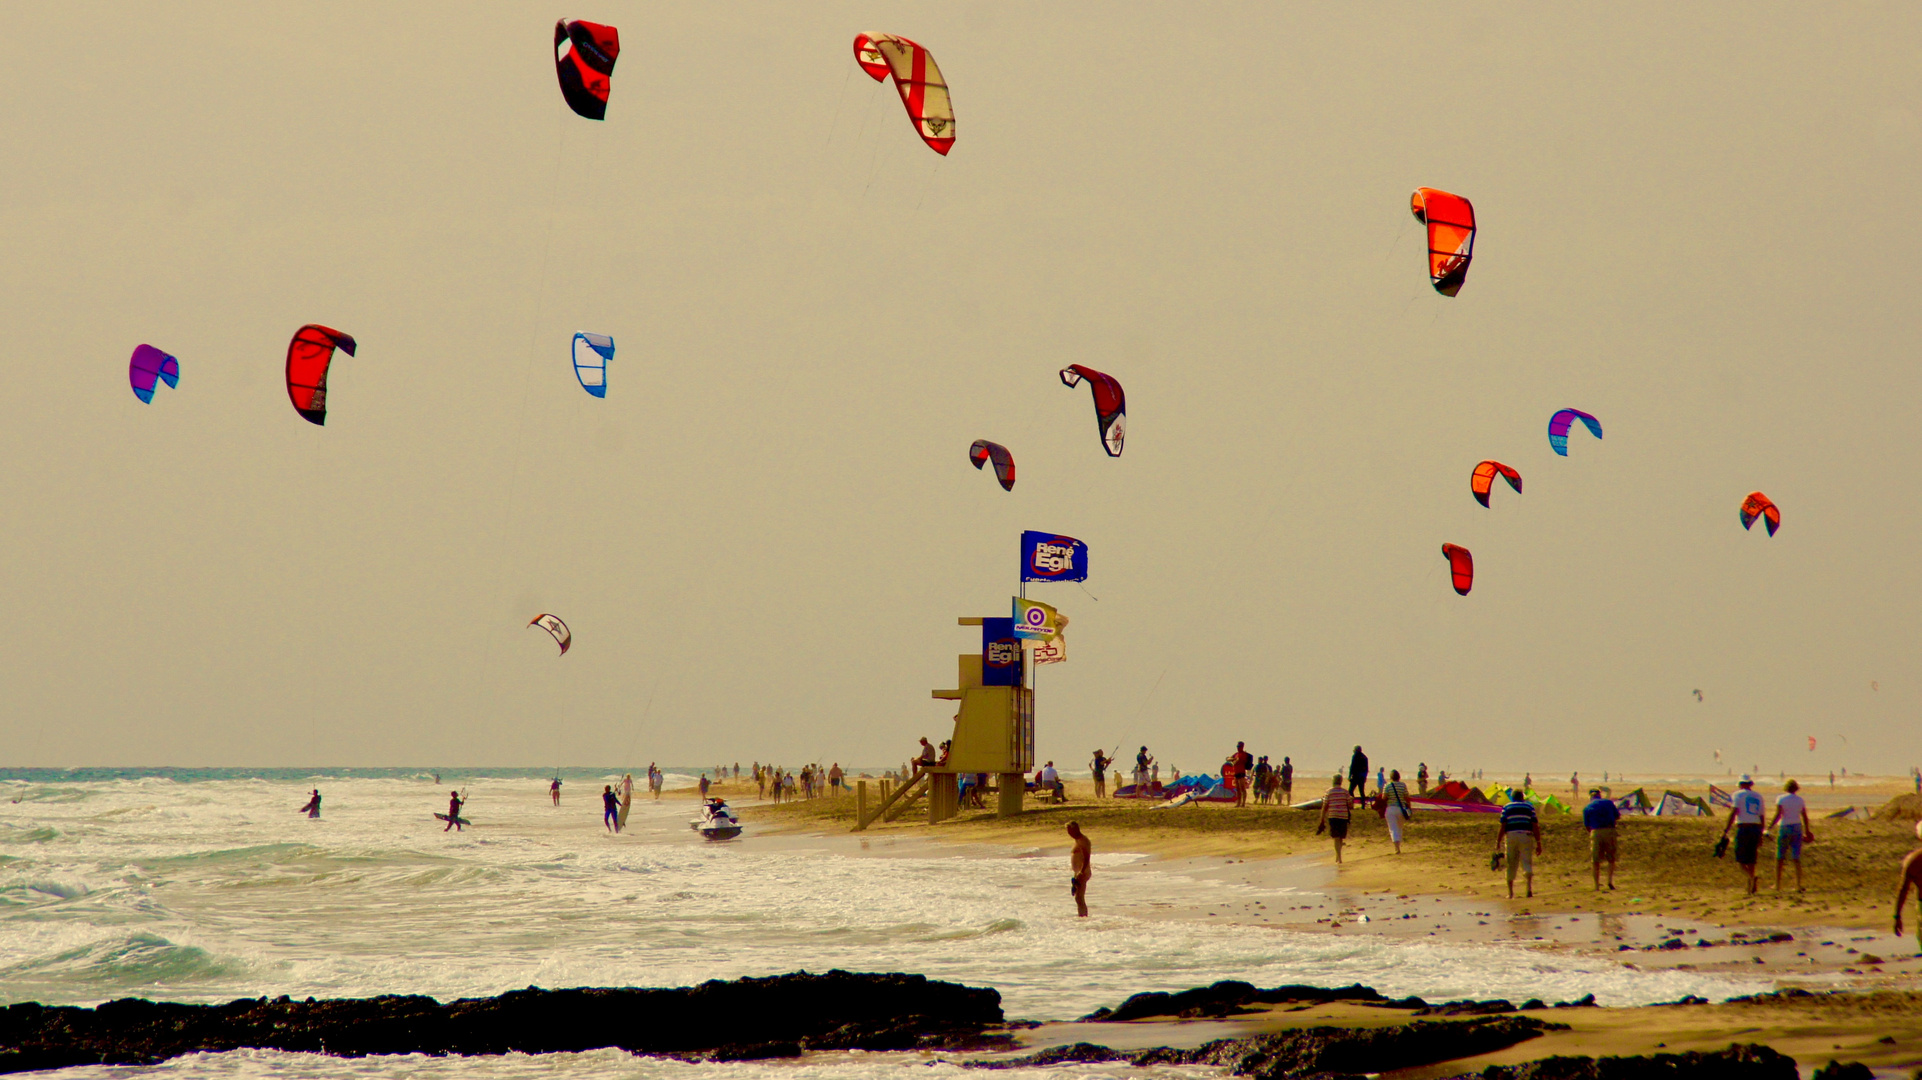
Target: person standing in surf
(312,809)
(610,808)
(453,811)
(1081,868)
(554,789)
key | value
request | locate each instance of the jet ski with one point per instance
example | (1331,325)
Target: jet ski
(716,822)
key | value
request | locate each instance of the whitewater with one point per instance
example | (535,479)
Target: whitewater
(207,886)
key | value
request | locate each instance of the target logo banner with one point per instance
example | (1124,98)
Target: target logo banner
(1034,620)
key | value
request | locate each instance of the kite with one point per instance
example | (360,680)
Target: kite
(924,93)
(1461,565)
(1559,424)
(1451,236)
(1110,404)
(1483,479)
(148,368)
(1760,505)
(983,450)
(1718,753)
(553,625)
(591,354)
(309,356)
(584,55)
(1811,739)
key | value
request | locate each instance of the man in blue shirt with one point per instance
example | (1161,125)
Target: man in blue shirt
(1599,818)
(1745,817)
(1518,826)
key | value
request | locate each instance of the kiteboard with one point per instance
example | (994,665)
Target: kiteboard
(627,801)
(457,821)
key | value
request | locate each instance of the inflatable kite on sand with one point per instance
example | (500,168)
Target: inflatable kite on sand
(984,451)
(1559,424)
(584,55)
(924,93)
(148,368)
(1110,404)
(1451,236)
(1760,505)
(553,625)
(1461,565)
(309,356)
(1483,479)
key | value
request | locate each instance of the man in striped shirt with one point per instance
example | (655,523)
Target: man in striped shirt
(1336,806)
(1519,826)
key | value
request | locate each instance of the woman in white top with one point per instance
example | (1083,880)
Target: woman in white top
(1792,814)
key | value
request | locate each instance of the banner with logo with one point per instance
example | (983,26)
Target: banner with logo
(1052,557)
(1034,620)
(1000,654)
(1055,649)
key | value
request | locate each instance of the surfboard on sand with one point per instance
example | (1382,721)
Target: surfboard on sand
(457,821)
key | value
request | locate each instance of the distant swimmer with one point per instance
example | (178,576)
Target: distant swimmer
(554,789)
(1081,868)
(453,811)
(610,808)
(312,809)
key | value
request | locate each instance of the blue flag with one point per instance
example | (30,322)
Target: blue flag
(1050,557)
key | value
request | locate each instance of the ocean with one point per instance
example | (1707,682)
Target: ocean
(206,885)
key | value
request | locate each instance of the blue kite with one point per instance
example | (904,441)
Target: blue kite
(1559,424)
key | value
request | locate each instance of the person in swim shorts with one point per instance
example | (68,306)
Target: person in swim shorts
(1336,806)
(1080,868)
(1519,824)
(1599,818)
(1911,878)
(1791,825)
(1745,817)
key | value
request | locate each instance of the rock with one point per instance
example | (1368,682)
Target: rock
(1751,1062)
(1586,1001)
(755,1051)
(1467,1008)
(1837,1070)
(746,1016)
(1054,1055)
(1225,998)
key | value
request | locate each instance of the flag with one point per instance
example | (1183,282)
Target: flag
(1034,620)
(1051,557)
(1055,649)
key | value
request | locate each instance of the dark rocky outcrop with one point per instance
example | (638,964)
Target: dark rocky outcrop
(1317,1052)
(742,1020)
(1229,996)
(1751,1062)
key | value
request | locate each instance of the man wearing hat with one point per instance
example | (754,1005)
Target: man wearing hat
(1599,818)
(1745,817)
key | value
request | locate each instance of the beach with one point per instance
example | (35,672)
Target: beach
(214,889)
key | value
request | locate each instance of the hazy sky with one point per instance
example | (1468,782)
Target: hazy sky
(1697,223)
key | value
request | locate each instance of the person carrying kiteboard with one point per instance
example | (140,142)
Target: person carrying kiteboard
(453,810)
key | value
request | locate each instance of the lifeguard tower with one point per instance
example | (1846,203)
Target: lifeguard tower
(993,733)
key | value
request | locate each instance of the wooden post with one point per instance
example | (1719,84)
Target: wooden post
(1011,791)
(860,803)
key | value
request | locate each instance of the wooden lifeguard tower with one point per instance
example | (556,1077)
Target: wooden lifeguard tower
(993,733)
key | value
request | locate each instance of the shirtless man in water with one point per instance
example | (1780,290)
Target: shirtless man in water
(1911,879)
(1081,867)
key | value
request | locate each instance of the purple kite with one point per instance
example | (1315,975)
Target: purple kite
(148,368)
(1559,424)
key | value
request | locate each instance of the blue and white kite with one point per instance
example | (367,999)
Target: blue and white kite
(591,354)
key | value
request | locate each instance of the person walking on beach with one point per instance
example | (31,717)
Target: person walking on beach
(1791,822)
(836,779)
(1518,827)
(1287,781)
(453,812)
(1396,811)
(1080,868)
(1358,773)
(1100,765)
(1599,818)
(1745,817)
(554,790)
(1336,806)
(1421,777)
(1911,878)
(610,808)
(312,809)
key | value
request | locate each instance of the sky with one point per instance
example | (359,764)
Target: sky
(1696,223)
